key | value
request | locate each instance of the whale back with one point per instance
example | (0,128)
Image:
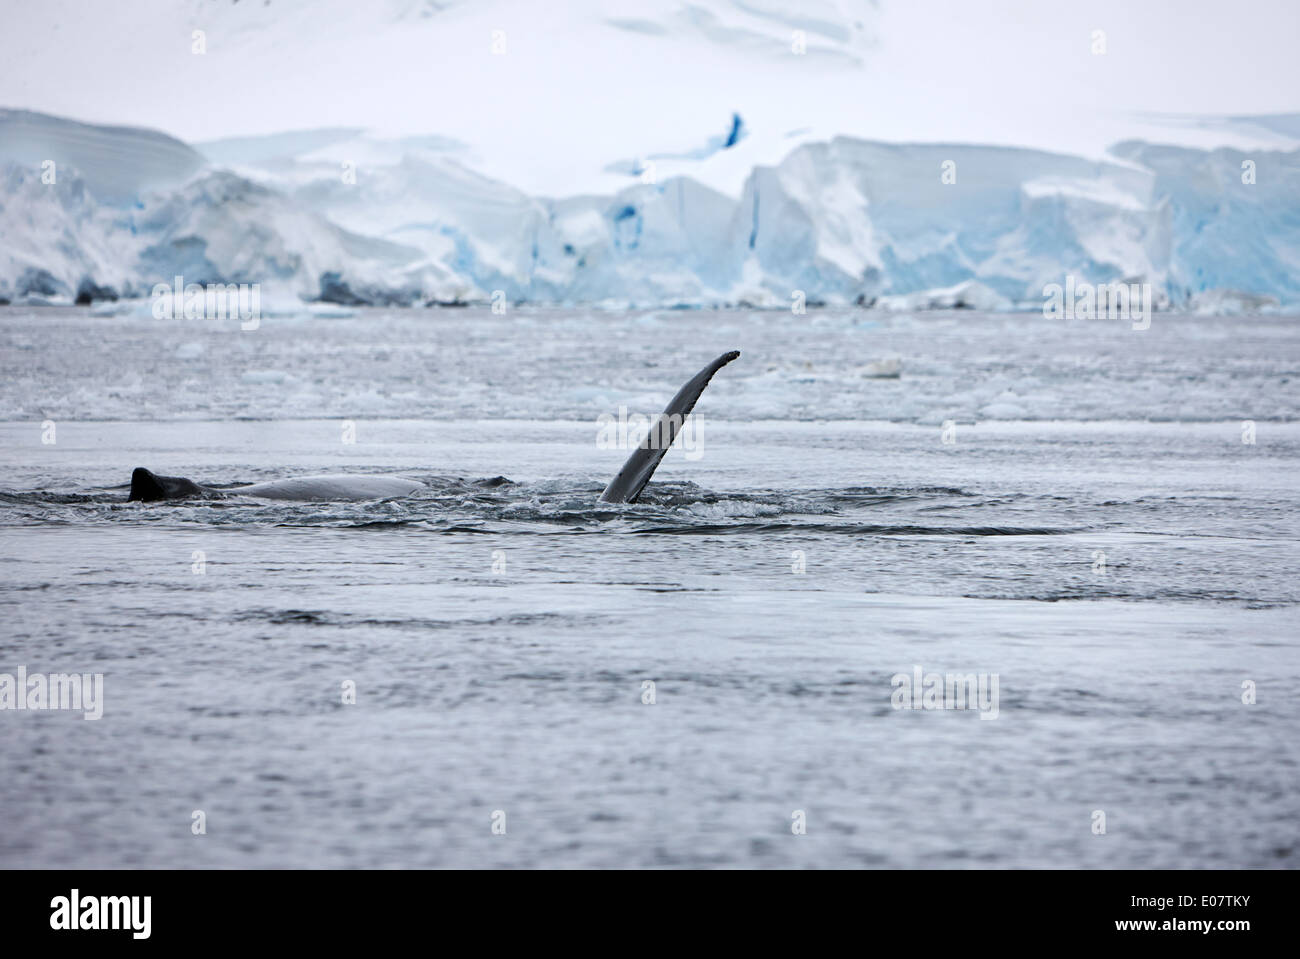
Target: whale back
(336,487)
(626,487)
(149,487)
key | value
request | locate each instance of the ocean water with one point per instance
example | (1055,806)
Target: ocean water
(1101,519)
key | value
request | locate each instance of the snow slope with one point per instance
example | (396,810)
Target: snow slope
(117,163)
(578,94)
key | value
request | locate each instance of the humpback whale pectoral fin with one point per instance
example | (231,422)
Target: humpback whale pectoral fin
(626,487)
(149,487)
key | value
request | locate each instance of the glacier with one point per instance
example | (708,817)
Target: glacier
(837,222)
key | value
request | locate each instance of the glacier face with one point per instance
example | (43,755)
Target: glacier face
(838,222)
(1226,234)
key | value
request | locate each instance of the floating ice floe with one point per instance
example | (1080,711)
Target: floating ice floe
(890,368)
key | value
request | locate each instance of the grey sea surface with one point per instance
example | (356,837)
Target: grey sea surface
(1073,508)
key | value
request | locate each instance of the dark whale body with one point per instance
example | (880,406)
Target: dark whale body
(626,487)
(147,487)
